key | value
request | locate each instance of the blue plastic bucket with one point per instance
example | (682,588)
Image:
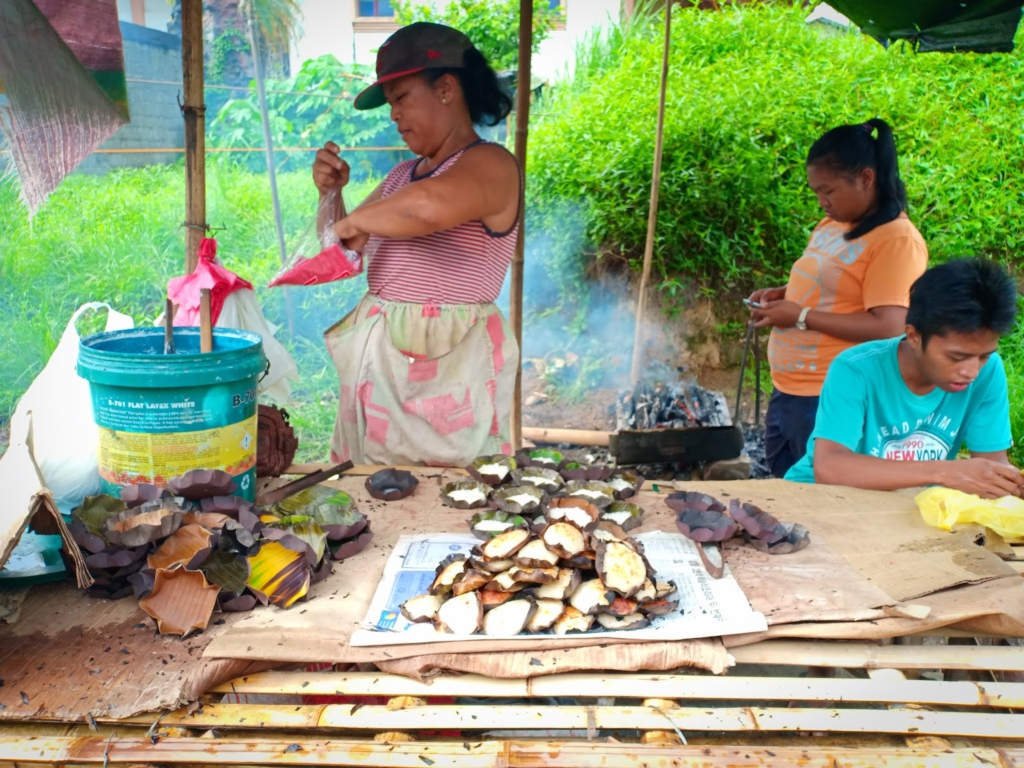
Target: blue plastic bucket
(160,416)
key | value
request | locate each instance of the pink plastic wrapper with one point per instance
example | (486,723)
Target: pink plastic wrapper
(331,261)
(209,273)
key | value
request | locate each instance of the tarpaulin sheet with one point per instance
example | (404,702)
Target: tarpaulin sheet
(981,26)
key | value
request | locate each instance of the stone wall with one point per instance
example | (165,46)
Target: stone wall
(156,121)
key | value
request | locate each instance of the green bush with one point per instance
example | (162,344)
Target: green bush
(750,89)
(308,110)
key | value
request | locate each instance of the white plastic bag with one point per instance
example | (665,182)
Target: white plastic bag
(65,439)
(242,310)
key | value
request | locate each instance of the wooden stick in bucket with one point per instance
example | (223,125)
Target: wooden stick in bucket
(205,325)
(169,328)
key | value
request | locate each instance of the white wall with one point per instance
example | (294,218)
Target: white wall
(556,55)
(158,13)
(328,28)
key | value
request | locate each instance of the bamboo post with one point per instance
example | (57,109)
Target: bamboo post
(652,216)
(516,283)
(194,112)
(205,322)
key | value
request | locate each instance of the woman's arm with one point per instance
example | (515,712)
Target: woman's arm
(876,323)
(481,185)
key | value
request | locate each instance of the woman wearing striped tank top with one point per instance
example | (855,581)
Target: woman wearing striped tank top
(426,362)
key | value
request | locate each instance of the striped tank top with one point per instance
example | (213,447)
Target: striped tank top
(462,265)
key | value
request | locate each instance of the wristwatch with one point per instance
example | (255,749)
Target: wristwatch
(801,322)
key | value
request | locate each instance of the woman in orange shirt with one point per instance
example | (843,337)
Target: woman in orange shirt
(851,285)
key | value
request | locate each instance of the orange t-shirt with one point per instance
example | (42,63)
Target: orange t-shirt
(842,276)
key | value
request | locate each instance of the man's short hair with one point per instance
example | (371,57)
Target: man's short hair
(963,296)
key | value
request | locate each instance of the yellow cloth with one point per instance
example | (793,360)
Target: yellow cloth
(944,508)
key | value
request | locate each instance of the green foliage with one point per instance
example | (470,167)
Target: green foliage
(306,110)
(277,21)
(492,25)
(750,89)
(131,242)
(224,54)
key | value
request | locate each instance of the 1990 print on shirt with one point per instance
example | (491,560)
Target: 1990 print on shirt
(866,407)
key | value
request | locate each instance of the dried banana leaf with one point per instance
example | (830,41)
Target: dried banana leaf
(199,484)
(96,511)
(137,495)
(151,522)
(391,484)
(492,470)
(181,601)
(188,546)
(228,570)
(303,528)
(279,575)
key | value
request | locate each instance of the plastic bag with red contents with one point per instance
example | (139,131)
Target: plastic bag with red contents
(209,273)
(322,259)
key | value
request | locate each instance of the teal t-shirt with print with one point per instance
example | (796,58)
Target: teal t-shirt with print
(866,406)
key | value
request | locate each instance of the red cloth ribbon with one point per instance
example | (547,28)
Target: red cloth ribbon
(209,273)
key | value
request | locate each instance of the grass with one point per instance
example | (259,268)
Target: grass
(117,238)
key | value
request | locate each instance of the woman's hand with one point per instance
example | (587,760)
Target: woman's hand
(351,237)
(776,314)
(330,172)
(764,295)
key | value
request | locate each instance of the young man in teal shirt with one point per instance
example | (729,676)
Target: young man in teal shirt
(894,413)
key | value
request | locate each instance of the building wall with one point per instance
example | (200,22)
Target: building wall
(156,121)
(156,14)
(331,26)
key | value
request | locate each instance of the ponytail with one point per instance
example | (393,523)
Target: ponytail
(848,149)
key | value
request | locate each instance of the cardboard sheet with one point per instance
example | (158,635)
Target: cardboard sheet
(874,550)
(68,656)
(25,501)
(708,655)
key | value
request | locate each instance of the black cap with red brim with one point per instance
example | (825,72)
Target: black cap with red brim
(413,49)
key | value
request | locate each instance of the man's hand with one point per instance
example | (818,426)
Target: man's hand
(983,477)
(764,295)
(776,314)
(330,172)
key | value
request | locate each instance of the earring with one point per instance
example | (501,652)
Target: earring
(444,101)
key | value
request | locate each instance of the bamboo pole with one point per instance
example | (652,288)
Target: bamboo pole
(516,281)
(646,686)
(257,64)
(652,215)
(96,750)
(376,718)
(194,112)
(570,436)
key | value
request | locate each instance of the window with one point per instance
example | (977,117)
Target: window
(375,8)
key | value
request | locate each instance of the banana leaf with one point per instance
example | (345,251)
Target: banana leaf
(279,575)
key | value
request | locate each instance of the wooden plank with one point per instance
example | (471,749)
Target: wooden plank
(960,693)
(483,718)
(489,754)
(852,655)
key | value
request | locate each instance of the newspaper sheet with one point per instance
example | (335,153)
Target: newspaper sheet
(707,607)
